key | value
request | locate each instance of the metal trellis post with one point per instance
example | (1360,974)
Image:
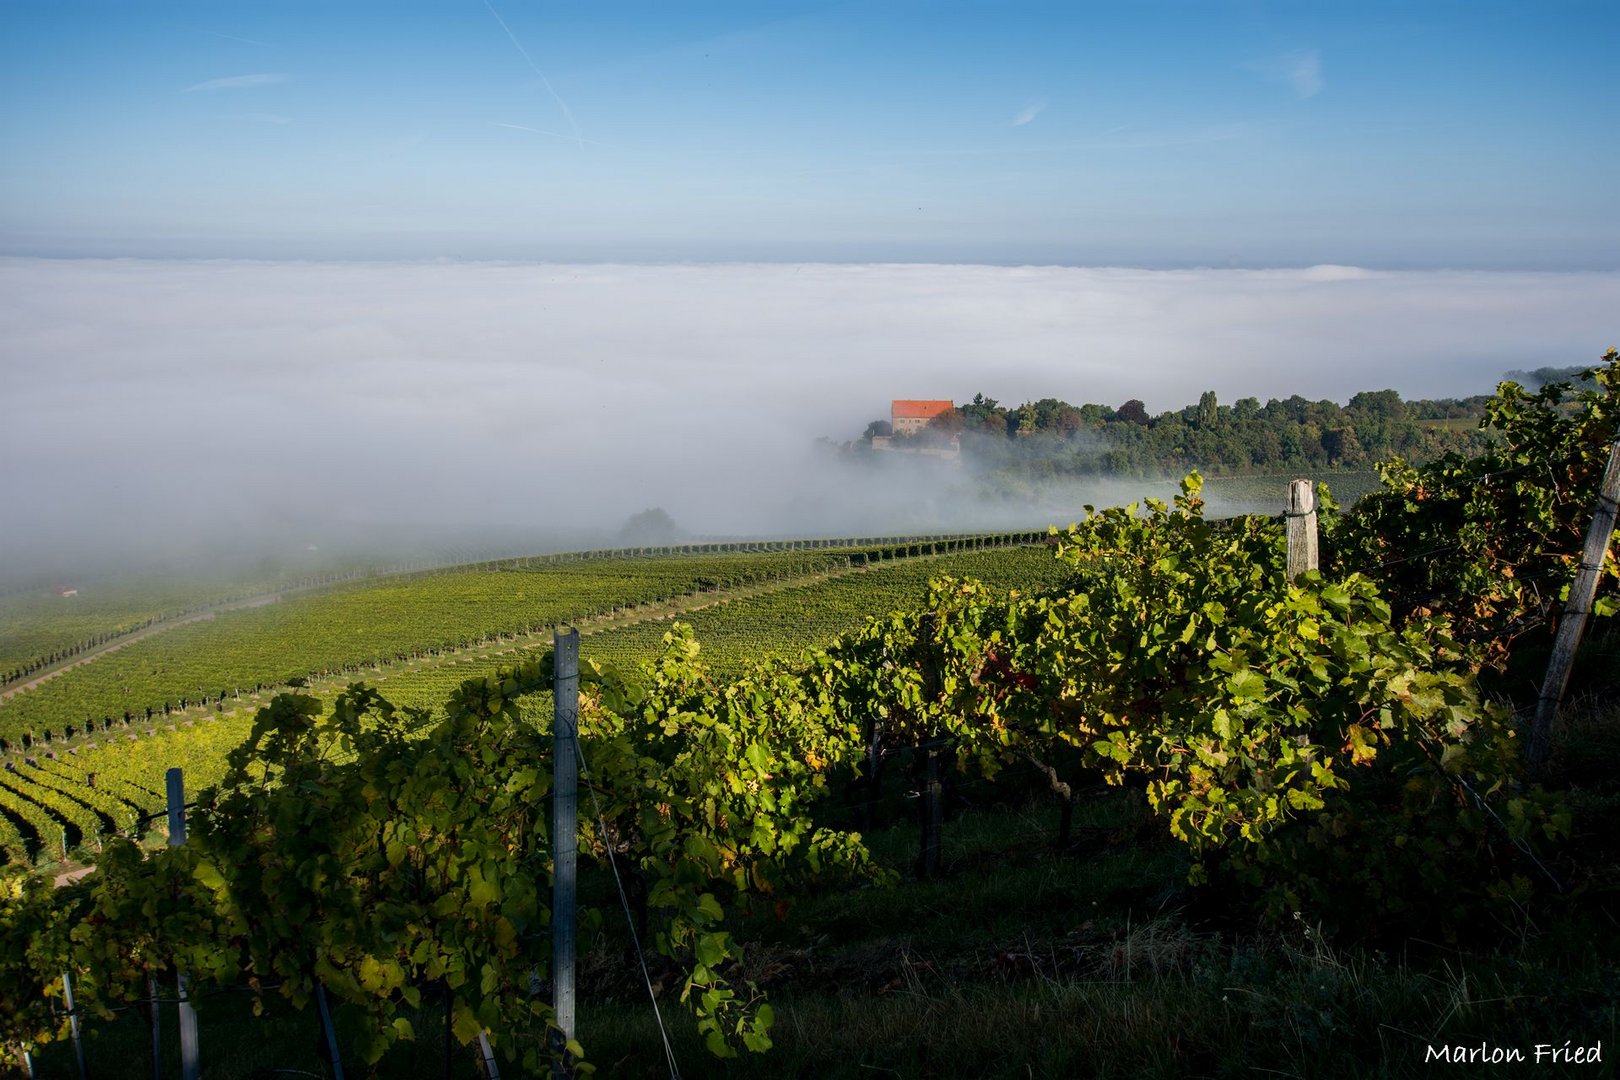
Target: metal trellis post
(189,1068)
(564,832)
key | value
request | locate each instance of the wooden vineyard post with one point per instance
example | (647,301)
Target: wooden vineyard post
(564,834)
(1573,624)
(188,1016)
(1301,518)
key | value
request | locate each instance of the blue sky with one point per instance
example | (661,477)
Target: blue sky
(1413,135)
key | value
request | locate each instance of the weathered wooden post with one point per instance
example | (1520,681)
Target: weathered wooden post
(189,1069)
(1301,517)
(1573,624)
(564,833)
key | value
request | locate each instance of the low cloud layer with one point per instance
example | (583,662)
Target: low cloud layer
(151,403)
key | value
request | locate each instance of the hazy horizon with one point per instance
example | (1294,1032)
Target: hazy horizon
(221,404)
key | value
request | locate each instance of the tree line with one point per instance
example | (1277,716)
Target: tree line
(1051,438)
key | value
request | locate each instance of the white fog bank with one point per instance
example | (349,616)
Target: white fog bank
(147,402)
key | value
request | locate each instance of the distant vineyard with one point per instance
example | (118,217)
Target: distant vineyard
(41,629)
(778,623)
(361,625)
(58,793)
(785,622)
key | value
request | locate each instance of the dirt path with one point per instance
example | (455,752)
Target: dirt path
(68,877)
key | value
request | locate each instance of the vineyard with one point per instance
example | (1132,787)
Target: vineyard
(1124,761)
(345,629)
(43,628)
(80,782)
(39,628)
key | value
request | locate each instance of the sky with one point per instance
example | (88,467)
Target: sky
(1461,134)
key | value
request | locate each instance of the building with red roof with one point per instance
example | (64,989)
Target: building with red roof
(910,417)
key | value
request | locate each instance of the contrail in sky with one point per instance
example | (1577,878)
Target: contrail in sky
(243,40)
(536,69)
(553,134)
(236,82)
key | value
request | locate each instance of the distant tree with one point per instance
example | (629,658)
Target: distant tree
(652,526)
(1132,412)
(1341,446)
(1209,413)
(983,414)
(1266,448)
(1381,404)
(942,429)
(1295,410)
(1048,415)
(1067,421)
(878,429)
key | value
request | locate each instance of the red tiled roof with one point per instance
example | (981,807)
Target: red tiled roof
(922,410)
